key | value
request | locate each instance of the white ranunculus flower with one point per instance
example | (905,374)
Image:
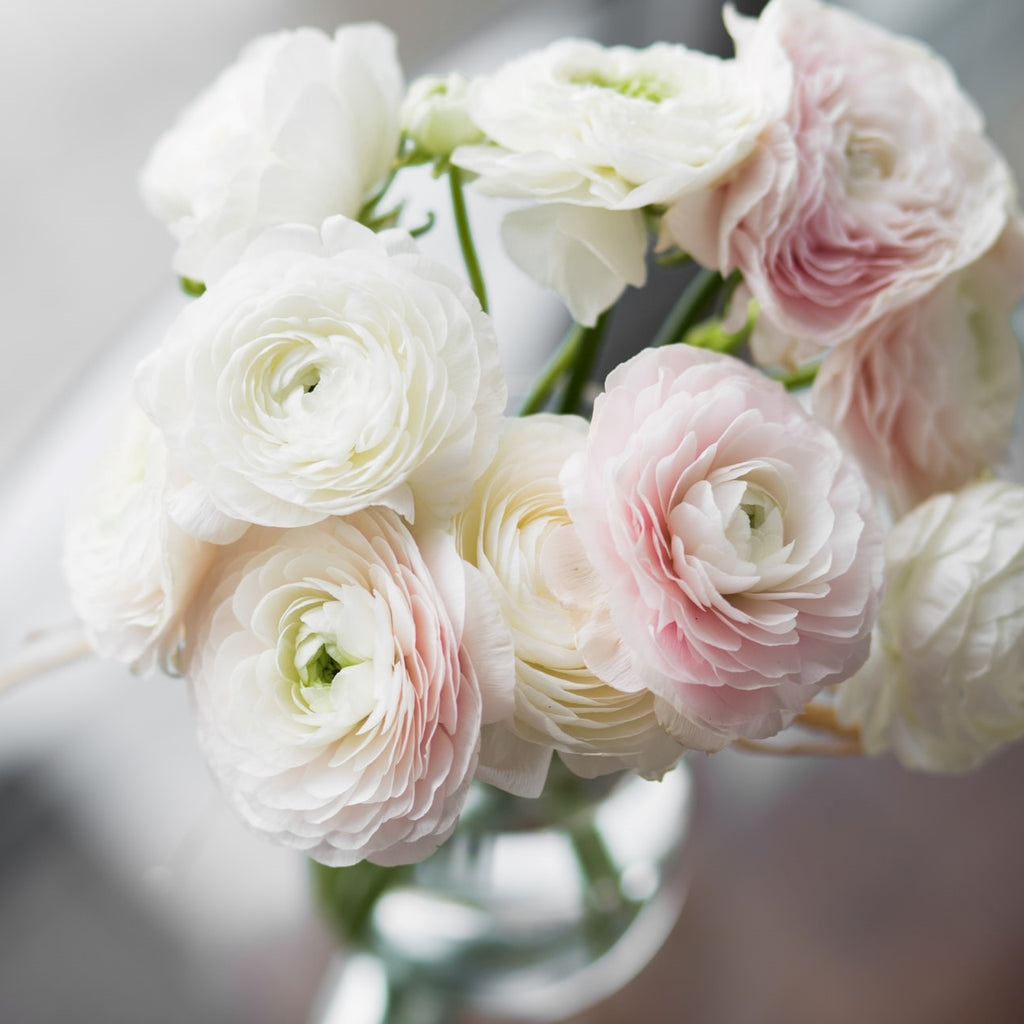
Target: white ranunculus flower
(613,130)
(337,681)
(943,688)
(301,127)
(517,507)
(435,114)
(324,373)
(131,570)
(615,127)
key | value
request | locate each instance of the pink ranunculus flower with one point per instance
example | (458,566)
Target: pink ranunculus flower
(733,546)
(877,183)
(338,672)
(926,396)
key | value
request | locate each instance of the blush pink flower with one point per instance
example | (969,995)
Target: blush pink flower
(926,396)
(876,184)
(338,700)
(732,545)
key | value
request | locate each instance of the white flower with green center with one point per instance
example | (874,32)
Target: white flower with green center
(326,372)
(614,127)
(594,135)
(341,680)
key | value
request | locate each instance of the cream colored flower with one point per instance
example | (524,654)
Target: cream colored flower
(516,509)
(944,687)
(324,373)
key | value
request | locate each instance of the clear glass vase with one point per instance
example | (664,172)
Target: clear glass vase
(533,910)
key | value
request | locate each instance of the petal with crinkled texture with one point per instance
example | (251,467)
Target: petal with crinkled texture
(337,686)
(734,549)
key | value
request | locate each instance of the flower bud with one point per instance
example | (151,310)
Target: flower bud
(435,114)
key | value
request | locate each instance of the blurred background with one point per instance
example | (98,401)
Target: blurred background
(822,892)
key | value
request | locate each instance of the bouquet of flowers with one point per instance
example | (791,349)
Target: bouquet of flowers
(780,513)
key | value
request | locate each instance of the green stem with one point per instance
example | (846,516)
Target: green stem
(469,257)
(555,368)
(366,211)
(689,308)
(348,895)
(732,282)
(601,885)
(583,365)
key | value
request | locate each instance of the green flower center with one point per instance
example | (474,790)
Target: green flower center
(320,670)
(637,87)
(756,515)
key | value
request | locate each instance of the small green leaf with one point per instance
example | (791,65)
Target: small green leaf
(190,287)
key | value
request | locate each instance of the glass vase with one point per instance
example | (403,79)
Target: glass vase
(533,910)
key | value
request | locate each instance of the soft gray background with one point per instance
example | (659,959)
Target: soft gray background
(127,893)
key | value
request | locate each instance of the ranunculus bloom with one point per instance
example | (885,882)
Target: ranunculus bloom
(301,127)
(614,127)
(943,688)
(323,374)
(926,396)
(130,569)
(733,541)
(875,185)
(517,507)
(612,130)
(338,701)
